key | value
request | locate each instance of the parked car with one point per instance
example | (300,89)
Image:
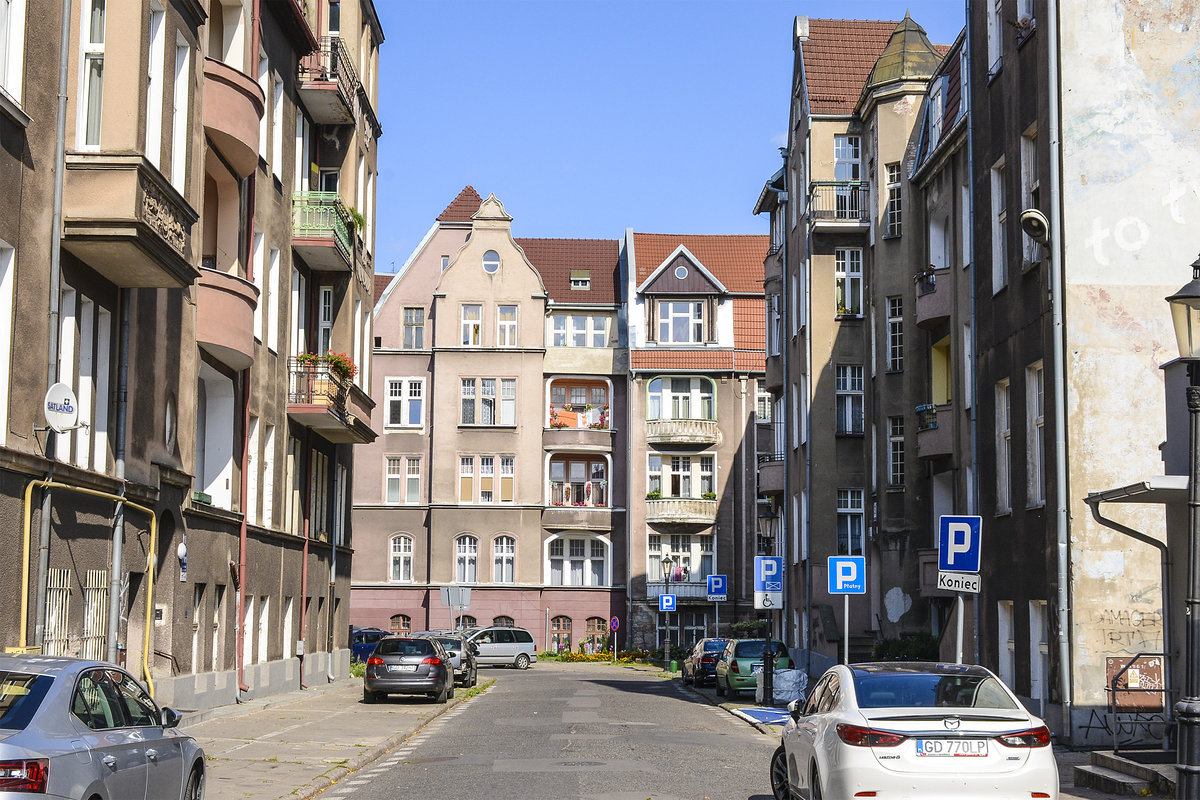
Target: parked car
(408,665)
(503,646)
(913,730)
(742,659)
(72,728)
(701,663)
(363,641)
(462,656)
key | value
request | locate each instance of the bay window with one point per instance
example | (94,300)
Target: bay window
(680,322)
(681,398)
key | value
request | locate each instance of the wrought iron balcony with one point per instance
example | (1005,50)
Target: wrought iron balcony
(328,83)
(839,201)
(328,403)
(322,231)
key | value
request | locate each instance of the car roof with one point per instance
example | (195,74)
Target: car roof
(924,667)
(47,665)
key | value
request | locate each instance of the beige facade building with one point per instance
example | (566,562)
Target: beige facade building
(216,226)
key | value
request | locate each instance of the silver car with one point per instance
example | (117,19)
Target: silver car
(79,729)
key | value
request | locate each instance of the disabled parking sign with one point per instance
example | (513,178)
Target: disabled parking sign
(768,582)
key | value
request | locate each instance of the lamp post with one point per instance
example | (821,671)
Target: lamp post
(1185,313)
(767,518)
(667,561)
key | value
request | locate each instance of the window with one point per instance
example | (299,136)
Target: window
(578,561)
(400,623)
(578,330)
(91,96)
(597,633)
(1005,641)
(1035,447)
(402,559)
(579,405)
(681,398)
(467,556)
(850,522)
(692,557)
(466,479)
(680,322)
(405,402)
(7,274)
(581,279)
(274,294)
(684,476)
(848,277)
(414,328)
(999,218)
(849,390)
(506,322)
(12,47)
(394,476)
(155,73)
(653,475)
(895,451)
(1030,193)
(445,262)
(895,334)
(277,126)
(504,550)
(490,489)
(467,621)
(491,262)
(1026,20)
(472,323)
(847,171)
(995,32)
(762,407)
(1003,448)
(180,100)
(560,634)
(937,104)
(503,621)
(319,491)
(480,408)
(894,200)
(325,319)
(579,482)
(487,479)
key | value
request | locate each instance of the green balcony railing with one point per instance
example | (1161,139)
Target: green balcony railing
(323,215)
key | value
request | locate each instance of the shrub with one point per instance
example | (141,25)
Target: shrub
(748,629)
(921,646)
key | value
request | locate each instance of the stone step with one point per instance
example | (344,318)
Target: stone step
(1109,780)
(1147,772)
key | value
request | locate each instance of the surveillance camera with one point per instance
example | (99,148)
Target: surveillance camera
(1035,225)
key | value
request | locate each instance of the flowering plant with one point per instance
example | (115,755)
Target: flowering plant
(308,358)
(555,422)
(340,364)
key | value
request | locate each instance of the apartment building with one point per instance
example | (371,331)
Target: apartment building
(500,378)
(194,523)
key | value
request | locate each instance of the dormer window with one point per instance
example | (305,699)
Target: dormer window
(581,279)
(680,322)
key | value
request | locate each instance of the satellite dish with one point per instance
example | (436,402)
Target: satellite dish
(62,409)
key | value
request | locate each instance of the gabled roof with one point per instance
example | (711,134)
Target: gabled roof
(736,260)
(463,207)
(556,259)
(382,281)
(839,56)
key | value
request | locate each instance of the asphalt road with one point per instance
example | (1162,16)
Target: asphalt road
(575,731)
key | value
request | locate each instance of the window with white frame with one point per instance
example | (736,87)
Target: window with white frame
(487,479)
(681,476)
(504,555)
(774,325)
(848,281)
(480,404)
(8,258)
(1035,446)
(895,207)
(895,451)
(937,105)
(274,296)
(1005,648)
(401,552)
(403,479)
(576,404)
(325,319)
(680,322)
(684,556)
(762,407)
(1030,191)
(895,334)
(155,73)
(412,479)
(479,482)
(1026,18)
(578,560)
(848,387)
(405,402)
(506,326)
(393,478)
(466,561)
(681,398)
(277,126)
(999,233)
(180,102)
(472,325)
(12,47)
(850,522)
(995,34)
(579,481)
(414,328)
(91,98)
(1003,448)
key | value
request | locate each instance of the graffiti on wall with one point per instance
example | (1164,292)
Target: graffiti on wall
(1127,630)
(1134,728)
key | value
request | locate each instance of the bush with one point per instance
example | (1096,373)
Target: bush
(358,669)
(921,646)
(748,629)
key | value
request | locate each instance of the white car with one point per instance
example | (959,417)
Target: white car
(903,731)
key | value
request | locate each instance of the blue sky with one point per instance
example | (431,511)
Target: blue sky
(586,117)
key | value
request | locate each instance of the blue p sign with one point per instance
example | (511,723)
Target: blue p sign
(666,602)
(959,540)
(847,575)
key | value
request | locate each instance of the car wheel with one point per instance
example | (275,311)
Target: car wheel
(195,785)
(369,696)
(522,661)
(720,687)
(474,676)
(686,679)
(781,788)
(815,788)
(450,691)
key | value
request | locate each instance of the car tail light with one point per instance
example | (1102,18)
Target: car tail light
(708,660)
(24,776)
(374,661)
(434,660)
(733,666)
(1039,795)
(1034,737)
(867,737)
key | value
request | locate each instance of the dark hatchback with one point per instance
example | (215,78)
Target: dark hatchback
(701,664)
(363,641)
(408,665)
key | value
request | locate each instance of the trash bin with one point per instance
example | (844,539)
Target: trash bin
(674,666)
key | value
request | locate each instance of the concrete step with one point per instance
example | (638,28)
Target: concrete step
(1108,780)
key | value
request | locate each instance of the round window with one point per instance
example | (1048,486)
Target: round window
(681,272)
(491,261)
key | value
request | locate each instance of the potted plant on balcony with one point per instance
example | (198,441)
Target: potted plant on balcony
(555,420)
(654,495)
(340,365)
(708,496)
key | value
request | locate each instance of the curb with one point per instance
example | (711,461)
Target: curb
(236,709)
(761,727)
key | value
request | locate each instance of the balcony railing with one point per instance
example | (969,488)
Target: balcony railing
(839,201)
(312,383)
(926,417)
(323,215)
(681,510)
(579,416)
(926,281)
(331,63)
(684,590)
(683,431)
(579,494)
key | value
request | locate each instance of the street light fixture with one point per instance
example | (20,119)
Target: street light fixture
(1185,313)
(767,519)
(667,561)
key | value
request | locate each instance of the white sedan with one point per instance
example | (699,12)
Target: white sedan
(913,731)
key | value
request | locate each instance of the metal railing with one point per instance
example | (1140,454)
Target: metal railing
(764,458)
(839,201)
(323,215)
(579,494)
(313,383)
(1113,700)
(926,417)
(926,282)
(331,62)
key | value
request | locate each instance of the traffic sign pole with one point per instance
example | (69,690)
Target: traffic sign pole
(846,629)
(961,612)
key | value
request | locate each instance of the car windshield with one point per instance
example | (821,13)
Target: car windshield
(714,646)
(929,690)
(20,696)
(404,647)
(753,648)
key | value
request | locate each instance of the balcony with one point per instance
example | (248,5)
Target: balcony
(328,403)
(839,204)
(681,511)
(935,430)
(683,431)
(233,107)
(934,300)
(588,518)
(125,220)
(225,318)
(683,590)
(771,473)
(321,231)
(328,83)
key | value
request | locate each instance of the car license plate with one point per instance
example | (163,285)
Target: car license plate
(402,667)
(952,747)
(755,669)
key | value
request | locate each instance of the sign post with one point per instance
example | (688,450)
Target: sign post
(847,576)
(613,624)
(717,594)
(768,595)
(959,542)
(666,604)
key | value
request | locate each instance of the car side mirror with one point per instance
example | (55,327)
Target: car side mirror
(170,717)
(796,710)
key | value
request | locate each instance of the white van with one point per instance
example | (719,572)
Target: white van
(503,646)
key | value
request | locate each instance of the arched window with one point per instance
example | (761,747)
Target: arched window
(400,623)
(681,398)
(402,558)
(466,563)
(467,621)
(597,631)
(491,261)
(578,560)
(504,556)
(503,622)
(560,634)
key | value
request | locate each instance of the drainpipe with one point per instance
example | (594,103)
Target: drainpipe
(242,622)
(116,570)
(1057,280)
(806,302)
(304,495)
(969,234)
(785,513)
(341,505)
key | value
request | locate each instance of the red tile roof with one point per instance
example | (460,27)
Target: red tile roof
(463,207)
(735,260)
(555,258)
(381,284)
(698,360)
(750,323)
(838,58)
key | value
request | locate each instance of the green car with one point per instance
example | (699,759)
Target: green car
(742,660)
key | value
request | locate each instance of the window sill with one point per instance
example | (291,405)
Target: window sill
(849,434)
(890,236)
(895,488)
(1026,33)
(12,109)
(994,71)
(891,371)
(478,426)
(1035,506)
(1029,266)
(1005,513)
(848,317)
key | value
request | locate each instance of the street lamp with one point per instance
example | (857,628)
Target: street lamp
(1185,313)
(766,529)
(767,518)
(667,561)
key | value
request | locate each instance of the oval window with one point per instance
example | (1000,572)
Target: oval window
(491,261)
(681,272)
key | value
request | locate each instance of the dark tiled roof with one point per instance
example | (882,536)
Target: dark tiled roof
(735,260)
(463,207)
(839,56)
(555,259)
(381,284)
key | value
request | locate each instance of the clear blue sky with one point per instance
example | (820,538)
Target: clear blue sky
(586,117)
